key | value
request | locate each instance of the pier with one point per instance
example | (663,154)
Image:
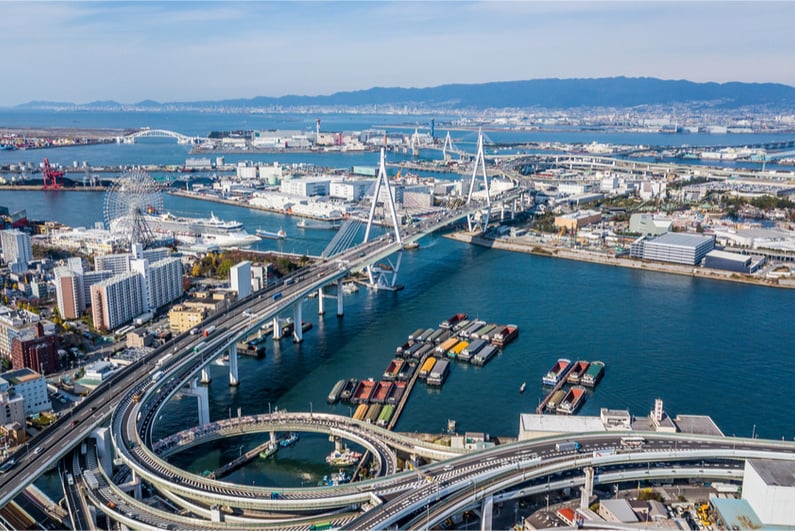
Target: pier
(240,461)
(560,384)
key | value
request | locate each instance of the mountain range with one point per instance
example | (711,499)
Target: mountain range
(553,93)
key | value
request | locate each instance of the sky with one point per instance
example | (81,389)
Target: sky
(189,51)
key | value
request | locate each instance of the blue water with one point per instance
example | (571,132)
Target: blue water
(705,347)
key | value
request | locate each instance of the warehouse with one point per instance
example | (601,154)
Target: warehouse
(674,247)
(727,261)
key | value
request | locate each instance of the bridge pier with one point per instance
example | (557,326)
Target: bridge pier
(277,328)
(202,394)
(298,323)
(587,489)
(206,377)
(233,376)
(320,307)
(339,298)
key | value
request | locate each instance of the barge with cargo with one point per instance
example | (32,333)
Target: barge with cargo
(594,374)
(572,402)
(557,371)
(577,371)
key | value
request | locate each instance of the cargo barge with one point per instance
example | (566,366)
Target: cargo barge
(336,392)
(439,373)
(391,372)
(472,328)
(594,374)
(485,355)
(372,413)
(386,415)
(454,320)
(473,348)
(577,371)
(396,395)
(447,345)
(456,350)
(347,392)
(381,392)
(363,392)
(361,411)
(556,372)
(505,335)
(426,368)
(574,399)
(555,400)
(407,371)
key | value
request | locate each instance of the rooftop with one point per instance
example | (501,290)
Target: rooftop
(21,375)
(736,514)
(680,239)
(774,473)
(559,423)
(697,424)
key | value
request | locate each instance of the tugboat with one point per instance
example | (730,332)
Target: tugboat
(523,387)
(289,440)
(270,451)
(345,458)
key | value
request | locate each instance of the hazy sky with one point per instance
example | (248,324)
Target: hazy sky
(185,51)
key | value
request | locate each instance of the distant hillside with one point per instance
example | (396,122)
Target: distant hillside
(618,92)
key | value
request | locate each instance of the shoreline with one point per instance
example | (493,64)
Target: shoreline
(550,251)
(232,202)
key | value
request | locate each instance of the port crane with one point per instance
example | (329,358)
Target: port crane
(51,176)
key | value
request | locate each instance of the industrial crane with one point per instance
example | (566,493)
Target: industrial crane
(51,176)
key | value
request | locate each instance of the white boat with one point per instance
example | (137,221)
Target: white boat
(280,235)
(207,231)
(306,224)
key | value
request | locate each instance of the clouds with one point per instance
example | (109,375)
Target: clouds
(183,51)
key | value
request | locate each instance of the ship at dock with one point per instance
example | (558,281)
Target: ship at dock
(204,231)
(594,374)
(572,401)
(346,457)
(319,225)
(577,371)
(556,372)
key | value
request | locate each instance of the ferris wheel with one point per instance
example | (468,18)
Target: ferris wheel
(128,202)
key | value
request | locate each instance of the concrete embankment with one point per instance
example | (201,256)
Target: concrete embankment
(238,203)
(521,245)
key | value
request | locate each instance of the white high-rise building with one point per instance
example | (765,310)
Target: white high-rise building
(240,279)
(16,246)
(164,283)
(117,300)
(118,263)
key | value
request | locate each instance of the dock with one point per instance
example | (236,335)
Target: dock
(240,461)
(542,406)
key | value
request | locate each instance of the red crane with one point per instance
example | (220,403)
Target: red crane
(51,176)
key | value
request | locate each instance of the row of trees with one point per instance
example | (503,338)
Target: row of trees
(218,264)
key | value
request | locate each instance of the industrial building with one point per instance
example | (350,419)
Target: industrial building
(769,487)
(575,220)
(674,247)
(307,187)
(649,225)
(739,263)
(349,189)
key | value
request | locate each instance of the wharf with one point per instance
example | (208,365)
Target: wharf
(561,383)
(237,203)
(240,461)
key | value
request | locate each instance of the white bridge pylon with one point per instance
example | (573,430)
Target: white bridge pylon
(479,221)
(384,276)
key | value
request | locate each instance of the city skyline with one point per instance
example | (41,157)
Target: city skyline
(134,51)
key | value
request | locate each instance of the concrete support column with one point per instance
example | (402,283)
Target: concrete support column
(233,376)
(206,377)
(587,489)
(136,481)
(298,329)
(273,436)
(339,298)
(320,305)
(203,396)
(277,328)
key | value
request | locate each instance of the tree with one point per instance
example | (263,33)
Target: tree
(196,270)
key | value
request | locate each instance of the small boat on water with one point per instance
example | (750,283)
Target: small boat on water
(266,234)
(290,440)
(270,451)
(523,387)
(345,458)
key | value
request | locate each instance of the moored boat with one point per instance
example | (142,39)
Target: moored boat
(350,386)
(454,320)
(345,458)
(381,392)
(594,374)
(269,451)
(336,391)
(576,372)
(290,440)
(363,391)
(556,372)
(555,400)
(279,235)
(573,400)
(391,372)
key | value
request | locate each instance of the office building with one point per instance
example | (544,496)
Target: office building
(17,249)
